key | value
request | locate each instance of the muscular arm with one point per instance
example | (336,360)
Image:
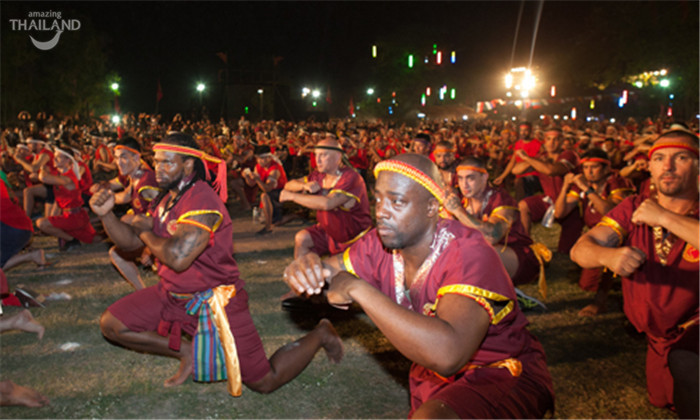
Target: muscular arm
(318,202)
(652,214)
(565,203)
(599,248)
(187,243)
(444,343)
(47,178)
(36,164)
(545,168)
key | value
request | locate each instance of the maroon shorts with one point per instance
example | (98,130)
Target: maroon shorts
(659,378)
(528,265)
(75,224)
(489,392)
(324,244)
(146,309)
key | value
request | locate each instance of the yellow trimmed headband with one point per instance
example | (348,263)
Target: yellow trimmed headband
(471,168)
(220,181)
(411,172)
(685,146)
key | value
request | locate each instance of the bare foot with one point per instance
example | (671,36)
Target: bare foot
(24,321)
(592,310)
(183,373)
(13,394)
(39,257)
(332,343)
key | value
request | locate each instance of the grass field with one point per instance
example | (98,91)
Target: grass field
(597,364)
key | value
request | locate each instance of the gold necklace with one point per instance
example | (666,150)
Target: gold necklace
(664,243)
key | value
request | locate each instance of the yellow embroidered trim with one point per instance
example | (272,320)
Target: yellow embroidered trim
(348,264)
(543,254)
(413,173)
(618,192)
(196,223)
(478,294)
(199,212)
(345,193)
(504,208)
(356,238)
(573,193)
(147,187)
(514,366)
(498,216)
(612,224)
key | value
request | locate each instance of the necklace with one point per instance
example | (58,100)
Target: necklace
(664,241)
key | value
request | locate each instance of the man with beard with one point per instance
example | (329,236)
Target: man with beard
(441,296)
(190,234)
(597,190)
(494,213)
(444,158)
(651,240)
(140,190)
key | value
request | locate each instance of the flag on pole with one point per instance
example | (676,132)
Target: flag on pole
(352,107)
(159,92)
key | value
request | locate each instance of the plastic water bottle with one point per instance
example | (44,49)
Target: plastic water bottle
(256,214)
(548,218)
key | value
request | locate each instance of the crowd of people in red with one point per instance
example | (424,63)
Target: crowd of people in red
(496,177)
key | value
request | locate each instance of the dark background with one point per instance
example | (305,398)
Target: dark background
(327,45)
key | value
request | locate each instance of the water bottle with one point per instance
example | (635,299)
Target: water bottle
(548,218)
(256,214)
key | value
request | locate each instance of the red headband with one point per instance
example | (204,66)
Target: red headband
(595,160)
(471,168)
(687,147)
(219,182)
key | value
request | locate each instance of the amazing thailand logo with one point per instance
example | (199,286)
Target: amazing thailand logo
(46,21)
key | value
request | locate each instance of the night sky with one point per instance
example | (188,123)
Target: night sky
(323,44)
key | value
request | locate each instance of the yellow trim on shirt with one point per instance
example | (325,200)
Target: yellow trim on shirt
(612,224)
(147,187)
(481,296)
(200,212)
(348,264)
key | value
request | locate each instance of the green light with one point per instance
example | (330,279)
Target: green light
(410,61)
(374,51)
(314,104)
(452,93)
(246,110)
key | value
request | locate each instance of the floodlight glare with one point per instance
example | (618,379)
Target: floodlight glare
(200,87)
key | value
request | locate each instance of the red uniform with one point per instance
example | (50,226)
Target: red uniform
(659,300)
(75,220)
(338,228)
(147,181)
(532,148)
(15,226)
(265,173)
(162,307)
(517,239)
(461,262)
(614,185)
(571,224)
